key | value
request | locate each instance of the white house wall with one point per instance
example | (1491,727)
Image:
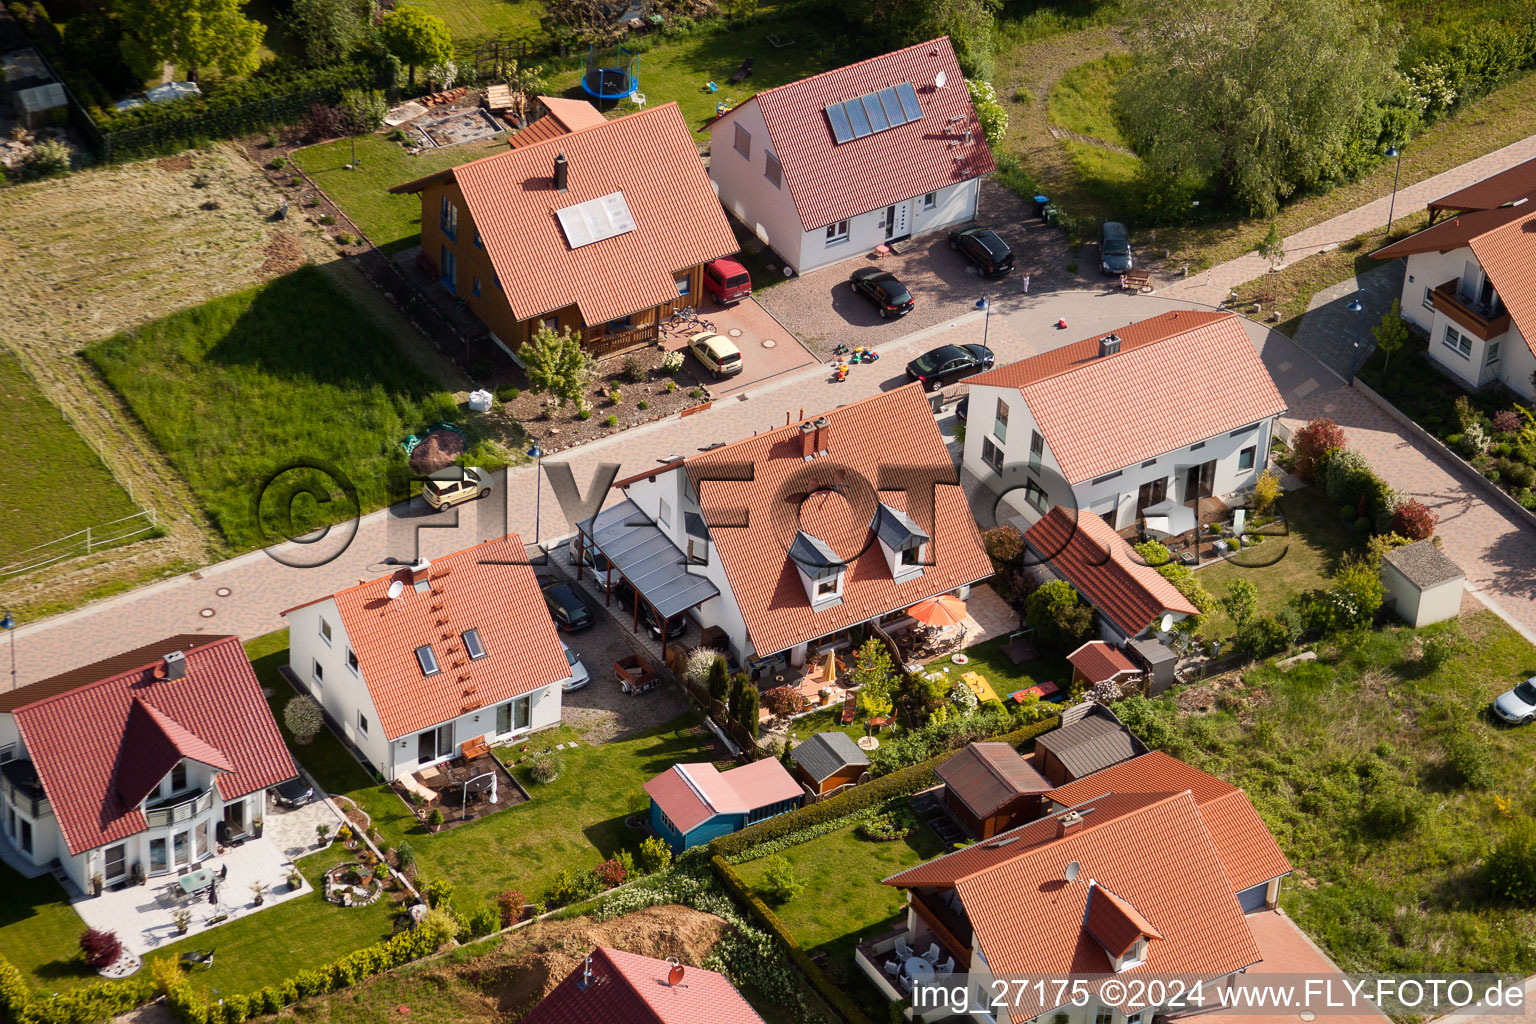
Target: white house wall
(1519,364)
(344,692)
(399,757)
(1515,362)
(955,204)
(743,188)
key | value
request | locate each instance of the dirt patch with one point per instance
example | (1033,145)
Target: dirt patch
(175,163)
(438,449)
(284,255)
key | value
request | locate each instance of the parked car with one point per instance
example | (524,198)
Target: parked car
(719,355)
(1517,706)
(453,485)
(890,296)
(1114,248)
(593,560)
(983,248)
(948,363)
(568,608)
(296,792)
(676,626)
(727,280)
(579,675)
(963,409)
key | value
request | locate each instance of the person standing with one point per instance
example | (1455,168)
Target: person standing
(1026,284)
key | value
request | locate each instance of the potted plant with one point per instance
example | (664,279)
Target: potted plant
(97,884)
(183,919)
(295,879)
(323,833)
(826,695)
(259,890)
(435,819)
(344,835)
(256,828)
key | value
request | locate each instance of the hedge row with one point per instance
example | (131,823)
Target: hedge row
(902,782)
(99,1001)
(835,997)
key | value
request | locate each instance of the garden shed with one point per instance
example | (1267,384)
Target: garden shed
(41,105)
(990,788)
(1422,583)
(829,761)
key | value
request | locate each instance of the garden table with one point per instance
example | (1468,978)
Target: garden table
(194,882)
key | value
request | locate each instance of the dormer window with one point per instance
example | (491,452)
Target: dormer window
(904,543)
(427,659)
(821,569)
(179,777)
(1135,956)
(472,645)
(826,588)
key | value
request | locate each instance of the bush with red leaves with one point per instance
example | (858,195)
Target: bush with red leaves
(1506,422)
(784,700)
(1414,520)
(1311,442)
(610,873)
(511,905)
(101,948)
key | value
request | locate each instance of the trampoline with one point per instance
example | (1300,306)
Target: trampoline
(610,82)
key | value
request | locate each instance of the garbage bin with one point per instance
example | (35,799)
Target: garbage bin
(1041,202)
(1050,214)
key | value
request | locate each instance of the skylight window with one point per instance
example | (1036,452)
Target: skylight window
(472,644)
(427,660)
(873,112)
(596,219)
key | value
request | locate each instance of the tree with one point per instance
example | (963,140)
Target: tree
(734,699)
(1272,247)
(1312,442)
(891,24)
(779,882)
(363,109)
(192,34)
(303,718)
(1241,602)
(557,365)
(1263,97)
(749,701)
(875,678)
(1391,334)
(419,39)
(332,30)
(719,679)
(1266,491)
(101,949)
(1259,636)
(1062,622)
(989,113)
(1414,520)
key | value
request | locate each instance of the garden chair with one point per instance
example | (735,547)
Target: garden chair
(892,968)
(932,956)
(948,967)
(903,950)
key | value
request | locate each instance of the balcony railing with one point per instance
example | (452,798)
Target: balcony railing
(187,809)
(1479,320)
(33,807)
(614,342)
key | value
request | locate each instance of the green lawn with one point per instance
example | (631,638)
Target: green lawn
(40,932)
(1284,565)
(392,222)
(1082,100)
(992,661)
(477,21)
(47,454)
(843,899)
(245,385)
(575,821)
(1348,760)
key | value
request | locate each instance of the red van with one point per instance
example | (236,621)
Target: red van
(727,280)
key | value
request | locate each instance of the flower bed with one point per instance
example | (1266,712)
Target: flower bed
(352,885)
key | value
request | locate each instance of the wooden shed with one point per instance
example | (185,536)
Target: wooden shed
(1090,738)
(829,760)
(990,788)
(1423,585)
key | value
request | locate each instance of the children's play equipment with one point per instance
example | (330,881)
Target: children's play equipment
(614,81)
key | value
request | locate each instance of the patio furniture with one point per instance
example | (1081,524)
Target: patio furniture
(892,968)
(195,882)
(979,686)
(932,956)
(743,71)
(636,675)
(459,776)
(474,748)
(412,784)
(850,709)
(918,969)
(201,959)
(902,949)
(947,967)
(906,983)
(223,872)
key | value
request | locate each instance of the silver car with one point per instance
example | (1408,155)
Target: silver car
(579,676)
(1517,706)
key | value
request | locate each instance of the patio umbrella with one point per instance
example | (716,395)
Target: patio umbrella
(1168,517)
(945,610)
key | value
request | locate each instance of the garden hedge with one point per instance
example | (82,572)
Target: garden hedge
(835,997)
(98,1001)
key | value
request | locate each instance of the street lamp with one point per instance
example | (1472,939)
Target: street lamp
(1354,358)
(9,625)
(537,453)
(1393,151)
(986,324)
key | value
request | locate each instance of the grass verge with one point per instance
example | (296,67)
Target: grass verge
(1083,99)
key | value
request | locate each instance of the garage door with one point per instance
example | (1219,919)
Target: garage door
(1252,899)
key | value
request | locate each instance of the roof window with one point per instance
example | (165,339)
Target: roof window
(472,644)
(427,660)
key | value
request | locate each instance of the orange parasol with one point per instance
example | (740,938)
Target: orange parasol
(944,610)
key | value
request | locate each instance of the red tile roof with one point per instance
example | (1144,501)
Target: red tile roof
(489,588)
(831,182)
(888,439)
(138,657)
(1495,190)
(215,713)
(650,157)
(1189,375)
(1102,566)
(1247,849)
(564,116)
(1098,661)
(1029,920)
(626,988)
(1115,923)
(691,794)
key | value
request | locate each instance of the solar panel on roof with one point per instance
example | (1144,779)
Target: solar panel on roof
(908,97)
(842,131)
(892,105)
(857,118)
(596,219)
(877,119)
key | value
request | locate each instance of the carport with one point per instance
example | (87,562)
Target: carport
(655,567)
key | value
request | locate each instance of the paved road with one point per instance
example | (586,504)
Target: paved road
(245,595)
(1212,286)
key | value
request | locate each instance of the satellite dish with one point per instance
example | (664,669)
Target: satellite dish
(396,589)
(939,79)
(1071,872)
(1167,623)
(675,975)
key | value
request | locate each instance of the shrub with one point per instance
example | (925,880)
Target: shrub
(327,220)
(1261,636)
(609,873)
(1005,545)
(1312,442)
(655,854)
(302,716)
(101,949)
(896,823)
(672,362)
(779,882)
(544,765)
(1414,520)
(616,396)
(405,855)
(1061,621)
(1395,811)
(438,927)
(437,892)
(642,405)
(784,700)
(45,159)
(719,679)
(1266,491)
(611,421)
(510,907)
(1242,601)
(1510,871)
(569,887)
(1437,649)
(508,394)
(1469,757)
(277,163)
(700,661)
(1346,475)
(483,921)
(435,818)
(1506,422)
(633,371)
(363,109)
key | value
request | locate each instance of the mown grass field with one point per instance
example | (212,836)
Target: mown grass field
(478,21)
(241,389)
(57,483)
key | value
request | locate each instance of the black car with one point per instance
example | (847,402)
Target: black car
(963,409)
(1114,248)
(948,363)
(676,627)
(293,793)
(880,287)
(567,608)
(982,247)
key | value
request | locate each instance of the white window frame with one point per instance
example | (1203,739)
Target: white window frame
(317,676)
(1251,453)
(1035,495)
(362,723)
(1000,421)
(1457,345)
(325,630)
(1429,302)
(1493,353)
(992,455)
(930,201)
(352,662)
(837,233)
(742,143)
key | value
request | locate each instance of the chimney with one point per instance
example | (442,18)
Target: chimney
(822,425)
(419,571)
(562,166)
(1069,823)
(174,666)
(1109,345)
(807,439)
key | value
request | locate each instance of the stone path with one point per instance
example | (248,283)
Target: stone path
(1213,286)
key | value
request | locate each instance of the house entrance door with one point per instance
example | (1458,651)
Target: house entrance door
(896,225)
(1199,481)
(116,863)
